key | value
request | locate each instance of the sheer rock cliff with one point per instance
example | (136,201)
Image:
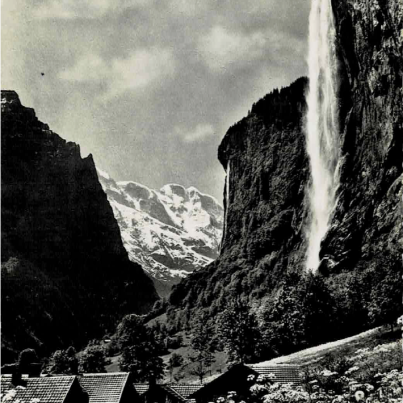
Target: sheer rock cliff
(66,276)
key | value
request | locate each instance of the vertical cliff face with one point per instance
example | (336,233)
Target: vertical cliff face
(266,164)
(366,229)
(264,198)
(266,205)
(66,276)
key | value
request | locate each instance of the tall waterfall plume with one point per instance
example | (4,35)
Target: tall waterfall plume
(322,128)
(226,202)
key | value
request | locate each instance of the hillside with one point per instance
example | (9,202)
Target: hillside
(171,231)
(66,277)
(262,260)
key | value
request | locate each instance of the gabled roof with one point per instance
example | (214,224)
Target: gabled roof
(284,373)
(104,388)
(141,387)
(179,391)
(48,389)
(237,377)
(172,392)
(183,389)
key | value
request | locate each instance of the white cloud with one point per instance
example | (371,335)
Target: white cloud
(89,68)
(85,9)
(221,48)
(198,134)
(140,69)
(143,67)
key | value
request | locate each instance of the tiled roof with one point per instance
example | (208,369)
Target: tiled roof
(184,390)
(141,387)
(180,391)
(104,388)
(283,373)
(173,392)
(48,389)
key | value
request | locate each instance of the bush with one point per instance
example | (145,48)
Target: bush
(93,360)
(176,360)
(64,362)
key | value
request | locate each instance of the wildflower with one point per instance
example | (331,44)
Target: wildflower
(274,386)
(250,378)
(328,373)
(359,396)
(257,388)
(9,395)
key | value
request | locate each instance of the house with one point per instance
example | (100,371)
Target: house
(185,390)
(55,389)
(235,379)
(165,393)
(88,388)
(284,373)
(112,387)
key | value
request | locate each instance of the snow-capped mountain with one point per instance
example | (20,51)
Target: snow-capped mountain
(170,232)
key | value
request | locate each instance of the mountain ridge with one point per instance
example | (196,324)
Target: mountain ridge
(170,232)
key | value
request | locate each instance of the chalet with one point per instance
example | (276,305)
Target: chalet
(112,387)
(87,388)
(235,379)
(55,389)
(185,390)
(165,393)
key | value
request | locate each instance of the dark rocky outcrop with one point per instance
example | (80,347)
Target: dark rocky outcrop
(66,276)
(265,157)
(266,206)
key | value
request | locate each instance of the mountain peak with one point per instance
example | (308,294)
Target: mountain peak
(10,97)
(171,232)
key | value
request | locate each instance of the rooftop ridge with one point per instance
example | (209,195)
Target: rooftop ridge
(104,373)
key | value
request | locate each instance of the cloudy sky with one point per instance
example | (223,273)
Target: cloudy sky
(149,87)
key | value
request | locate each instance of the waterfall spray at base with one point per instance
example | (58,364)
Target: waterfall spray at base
(322,129)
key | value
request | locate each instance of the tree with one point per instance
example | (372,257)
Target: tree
(25,358)
(318,311)
(283,319)
(93,360)
(64,362)
(385,304)
(140,351)
(176,360)
(203,347)
(238,328)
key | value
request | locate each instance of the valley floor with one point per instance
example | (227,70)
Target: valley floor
(372,342)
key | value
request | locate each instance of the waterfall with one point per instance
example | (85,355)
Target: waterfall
(322,129)
(226,198)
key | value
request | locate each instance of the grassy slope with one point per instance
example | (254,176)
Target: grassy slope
(343,347)
(217,367)
(305,358)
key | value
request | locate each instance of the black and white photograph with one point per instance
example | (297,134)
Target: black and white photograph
(201,201)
